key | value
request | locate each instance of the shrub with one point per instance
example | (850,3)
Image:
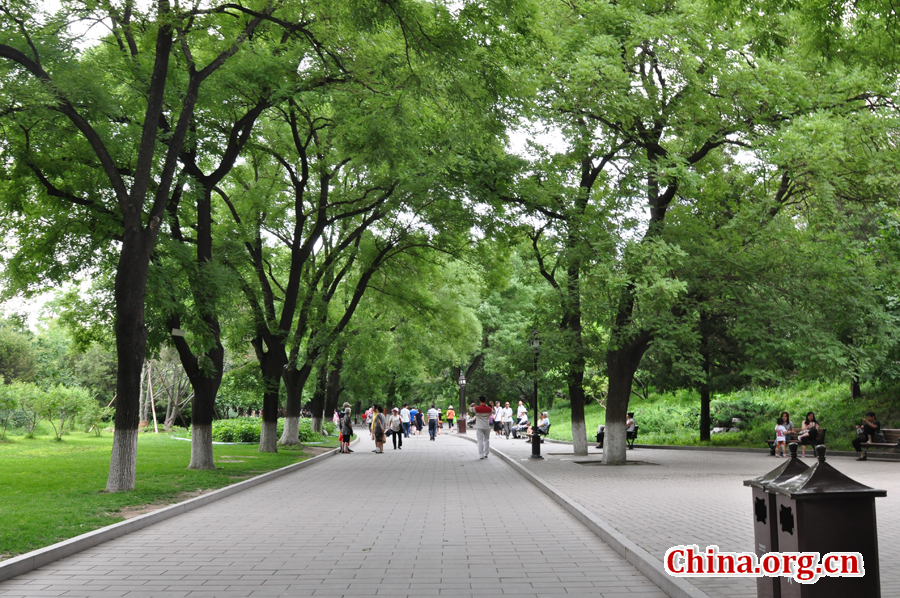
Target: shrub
(93,415)
(722,412)
(8,405)
(61,404)
(240,429)
(31,402)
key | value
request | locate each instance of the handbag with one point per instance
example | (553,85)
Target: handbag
(388,432)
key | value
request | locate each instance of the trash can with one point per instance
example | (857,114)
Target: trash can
(765,529)
(822,510)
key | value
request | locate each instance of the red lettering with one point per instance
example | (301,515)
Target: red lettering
(746,566)
(672,561)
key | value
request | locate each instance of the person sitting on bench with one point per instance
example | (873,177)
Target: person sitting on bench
(809,433)
(868,431)
(629,429)
(521,425)
(543,425)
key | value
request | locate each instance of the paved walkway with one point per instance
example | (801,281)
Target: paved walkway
(697,497)
(354,525)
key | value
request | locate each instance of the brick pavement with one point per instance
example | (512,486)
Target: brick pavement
(359,524)
(697,497)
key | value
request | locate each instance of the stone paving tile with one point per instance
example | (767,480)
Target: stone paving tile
(698,497)
(428,520)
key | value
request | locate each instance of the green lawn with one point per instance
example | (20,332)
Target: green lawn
(50,491)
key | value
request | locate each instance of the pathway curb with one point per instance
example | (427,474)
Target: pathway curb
(643,561)
(43,556)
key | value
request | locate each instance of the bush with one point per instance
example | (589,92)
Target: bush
(8,405)
(240,429)
(61,404)
(93,416)
(248,429)
(31,402)
(750,412)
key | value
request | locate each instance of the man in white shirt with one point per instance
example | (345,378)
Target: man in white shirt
(432,422)
(404,419)
(506,419)
(521,409)
(482,426)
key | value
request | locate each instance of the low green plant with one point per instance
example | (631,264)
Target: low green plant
(31,401)
(94,416)
(8,405)
(61,404)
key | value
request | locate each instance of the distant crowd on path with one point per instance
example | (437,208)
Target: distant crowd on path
(403,422)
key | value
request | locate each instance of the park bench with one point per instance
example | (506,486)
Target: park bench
(630,437)
(890,435)
(538,433)
(819,440)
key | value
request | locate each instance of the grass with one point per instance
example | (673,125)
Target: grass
(673,418)
(51,491)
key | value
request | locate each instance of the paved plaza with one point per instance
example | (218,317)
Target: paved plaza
(427,520)
(670,497)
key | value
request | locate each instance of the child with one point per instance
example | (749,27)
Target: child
(780,431)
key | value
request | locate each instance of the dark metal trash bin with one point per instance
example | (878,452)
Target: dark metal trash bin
(822,510)
(765,529)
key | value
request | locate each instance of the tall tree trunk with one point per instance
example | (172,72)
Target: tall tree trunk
(318,400)
(855,390)
(576,399)
(572,323)
(333,387)
(705,419)
(621,366)
(295,382)
(131,348)
(271,364)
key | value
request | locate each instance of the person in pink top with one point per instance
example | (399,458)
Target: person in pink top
(482,426)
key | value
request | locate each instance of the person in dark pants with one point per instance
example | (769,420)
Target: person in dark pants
(432,422)
(867,431)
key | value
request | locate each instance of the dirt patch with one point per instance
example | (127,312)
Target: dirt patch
(313,451)
(138,510)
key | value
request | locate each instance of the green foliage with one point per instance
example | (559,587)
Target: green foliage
(9,403)
(248,429)
(60,405)
(94,416)
(17,355)
(31,401)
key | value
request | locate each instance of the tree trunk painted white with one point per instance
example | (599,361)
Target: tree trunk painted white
(291,434)
(316,423)
(122,463)
(268,438)
(614,443)
(201,448)
(579,438)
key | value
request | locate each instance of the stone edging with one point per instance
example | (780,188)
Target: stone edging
(643,561)
(42,556)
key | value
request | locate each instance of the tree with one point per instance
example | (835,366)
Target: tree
(45,76)
(17,356)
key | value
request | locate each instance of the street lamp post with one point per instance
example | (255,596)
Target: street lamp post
(461,416)
(535,437)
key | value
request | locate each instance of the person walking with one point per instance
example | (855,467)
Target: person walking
(395,426)
(440,421)
(420,422)
(451,415)
(405,419)
(482,426)
(496,413)
(346,429)
(432,422)
(378,427)
(506,420)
